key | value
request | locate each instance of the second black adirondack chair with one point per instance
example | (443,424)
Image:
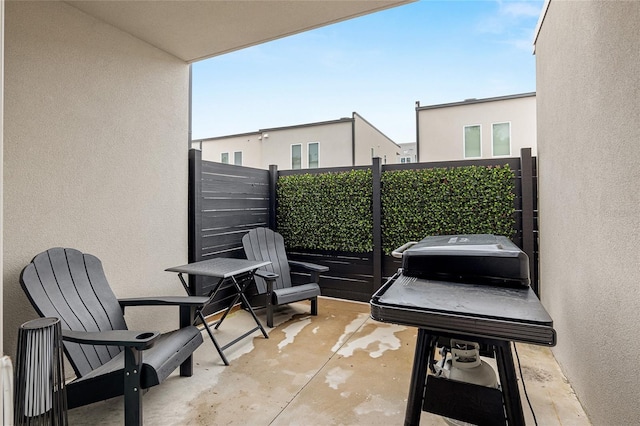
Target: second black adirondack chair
(273,282)
(109,360)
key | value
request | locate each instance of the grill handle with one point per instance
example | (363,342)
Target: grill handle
(397,253)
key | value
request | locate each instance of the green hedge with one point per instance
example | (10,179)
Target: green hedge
(332,211)
(461,200)
(329,211)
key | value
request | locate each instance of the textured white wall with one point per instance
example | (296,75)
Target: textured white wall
(367,137)
(334,139)
(249,145)
(95,155)
(588,91)
(441,129)
(1,155)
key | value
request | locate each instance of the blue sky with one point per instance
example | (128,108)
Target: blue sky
(377,65)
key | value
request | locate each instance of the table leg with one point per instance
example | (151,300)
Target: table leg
(213,339)
(233,302)
(509,384)
(421,357)
(188,317)
(240,295)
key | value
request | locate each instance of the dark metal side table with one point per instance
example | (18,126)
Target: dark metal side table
(225,270)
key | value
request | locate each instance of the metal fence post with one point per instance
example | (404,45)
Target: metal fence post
(528,243)
(273,185)
(376,169)
(195,205)
(194,250)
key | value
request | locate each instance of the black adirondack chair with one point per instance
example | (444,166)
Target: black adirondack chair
(109,360)
(273,282)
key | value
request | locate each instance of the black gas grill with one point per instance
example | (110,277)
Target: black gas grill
(474,287)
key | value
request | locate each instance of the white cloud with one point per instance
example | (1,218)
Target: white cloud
(509,20)
(519,9)
(508,16)
(521,43)
(491,25)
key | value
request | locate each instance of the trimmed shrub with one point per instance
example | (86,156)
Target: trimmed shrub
(333,211)
(446,201)
(328,211)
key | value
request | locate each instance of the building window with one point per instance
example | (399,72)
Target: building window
(237,158)
(296,156)
(313,148)
(472,142)
(501,138)
(405,159)
(224,158)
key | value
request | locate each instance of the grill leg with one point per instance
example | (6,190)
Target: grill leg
(509,383)
(421,357)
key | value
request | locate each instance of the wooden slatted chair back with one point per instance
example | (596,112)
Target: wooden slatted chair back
(267,245)
(72,286)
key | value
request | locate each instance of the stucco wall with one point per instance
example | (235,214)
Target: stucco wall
(588,92)
(334,138)
(441,130)
(334,149)
(249,145)
(408,151)
(95,155)
(367,137)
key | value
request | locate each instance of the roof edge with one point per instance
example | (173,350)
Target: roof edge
(375,128)
(476,101)
(543,14)
(273,129)
(237,135)
(301,30)
(317,123)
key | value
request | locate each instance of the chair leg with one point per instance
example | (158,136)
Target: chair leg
(314,306)
(186,314)
(132,391)
(269,313)
(269,302)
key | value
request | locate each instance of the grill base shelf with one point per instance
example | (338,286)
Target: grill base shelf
(467,402)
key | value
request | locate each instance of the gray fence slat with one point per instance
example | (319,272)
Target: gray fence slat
(234,220)
(231,169)
(213,204)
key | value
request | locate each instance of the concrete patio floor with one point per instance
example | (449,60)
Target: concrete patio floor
(339,368)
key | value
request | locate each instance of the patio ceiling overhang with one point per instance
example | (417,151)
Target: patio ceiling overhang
(195,30)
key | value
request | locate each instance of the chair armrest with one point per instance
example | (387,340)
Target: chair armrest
(269,276)
(194,301)
(308,266)
(138,339)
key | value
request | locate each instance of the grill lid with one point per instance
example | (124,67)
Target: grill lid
(472,258)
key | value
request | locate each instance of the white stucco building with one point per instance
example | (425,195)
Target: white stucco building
(349,141)
(477,128)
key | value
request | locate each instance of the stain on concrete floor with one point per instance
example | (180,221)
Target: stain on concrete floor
(338,368)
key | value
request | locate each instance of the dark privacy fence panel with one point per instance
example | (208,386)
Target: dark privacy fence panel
(226,201)
(349,276)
